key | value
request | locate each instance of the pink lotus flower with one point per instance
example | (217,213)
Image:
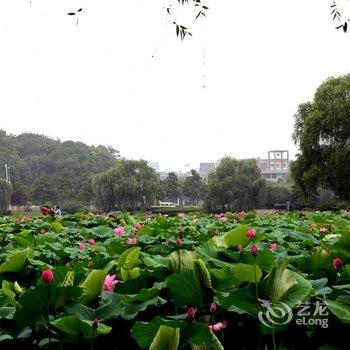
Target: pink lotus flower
(273,246)
(254,250)
(337,263)
(178,241)
(223,219)
(251,233)
(213,307)
(81,245)
(323,229)
(181,215)
(218,326)
(217,216)
(138,226)
(132,240)
(91,241)
(47,276)
(109,283)
(120,230)
(191,313)
(241,213)
(26,218)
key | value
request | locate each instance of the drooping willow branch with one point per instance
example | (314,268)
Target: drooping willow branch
(336,16)
(181,30)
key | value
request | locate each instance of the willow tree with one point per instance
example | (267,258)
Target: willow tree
(322,132)
(5,195)
(235,185)
(129,185)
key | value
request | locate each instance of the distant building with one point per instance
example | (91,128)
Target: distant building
(276,167)
(183,174)
(205,169)
(154,165)
(163,174)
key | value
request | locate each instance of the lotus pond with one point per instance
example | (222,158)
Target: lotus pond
(195,281)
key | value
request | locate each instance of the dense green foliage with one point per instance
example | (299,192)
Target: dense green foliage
(235,185)
(160,278)
(172,188)
(5,195)
(193,187)
(46,170)
(322,131)
(130,184)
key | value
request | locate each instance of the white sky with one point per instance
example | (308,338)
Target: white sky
(97,82)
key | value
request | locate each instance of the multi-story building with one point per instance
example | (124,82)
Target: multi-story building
(276,167)
(205,169)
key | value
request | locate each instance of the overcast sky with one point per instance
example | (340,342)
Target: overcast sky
(231,89)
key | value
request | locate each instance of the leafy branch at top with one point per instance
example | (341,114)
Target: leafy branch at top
(336,16)
(181,30)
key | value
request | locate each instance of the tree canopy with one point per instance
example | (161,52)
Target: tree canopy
(193,187)
(172,189)
(235,185)
(322,132)
(43,169)
(5,195)
(129,185)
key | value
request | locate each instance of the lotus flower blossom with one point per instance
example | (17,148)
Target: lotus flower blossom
(273,246)
(178,241)
(181,215)
(120,230)
(254,250)
(337,263)
(213,307)
(132,240)
(47,276)
(218,326)
(323,229)
(138,226)
(251,233)
(91,241)
(223,218)
(191,313)
(109,283)
(241,213)
(81,245)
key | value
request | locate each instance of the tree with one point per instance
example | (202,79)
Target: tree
(32,158)
(85,191)
(129,185)
(235,185)
(322,132)
(172,187)
(193,187)
(5,195)
(276,194)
